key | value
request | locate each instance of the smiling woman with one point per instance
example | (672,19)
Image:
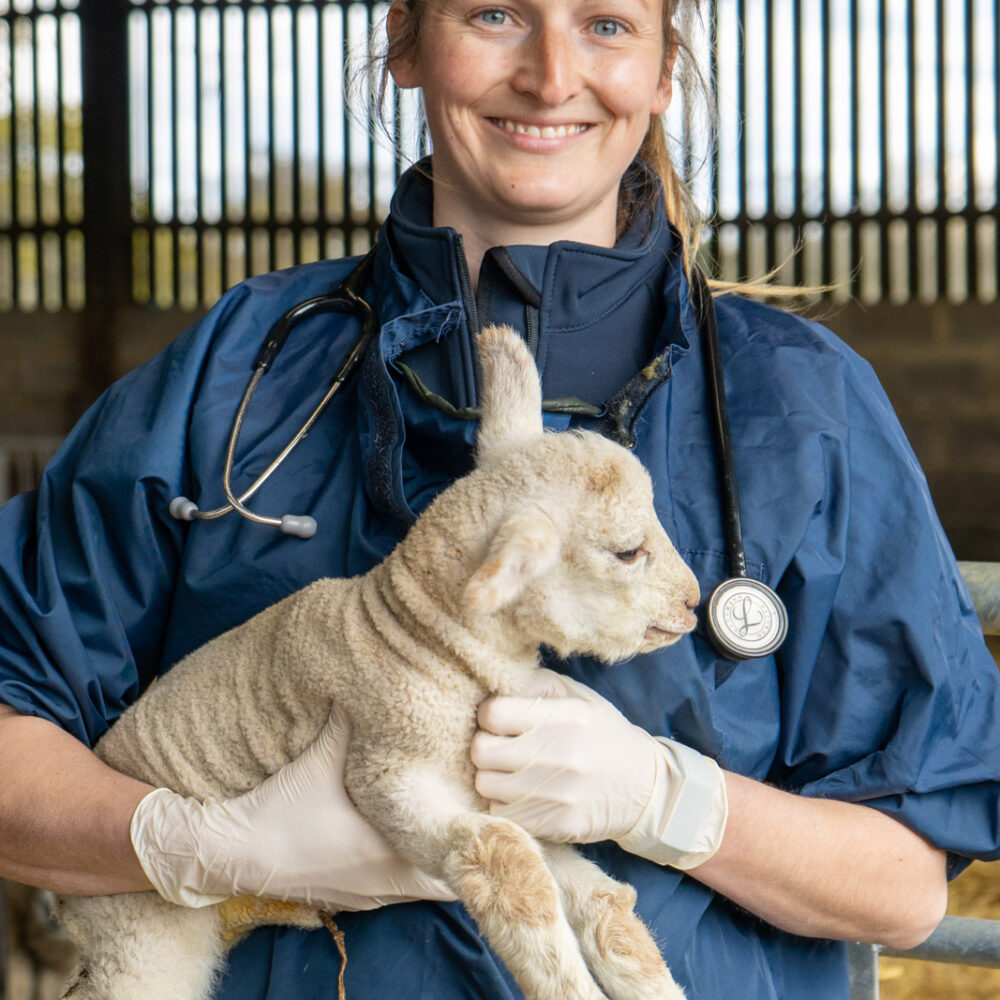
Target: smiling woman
(589,82)
(518,97)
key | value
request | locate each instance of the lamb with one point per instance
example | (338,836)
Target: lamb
(552,539)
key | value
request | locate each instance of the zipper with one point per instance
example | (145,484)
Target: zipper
(471,315)
(465,287)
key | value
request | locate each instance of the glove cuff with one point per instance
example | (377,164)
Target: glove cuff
(685,818)
(164,837)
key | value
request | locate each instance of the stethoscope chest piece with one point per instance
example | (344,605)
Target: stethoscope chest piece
(746,619)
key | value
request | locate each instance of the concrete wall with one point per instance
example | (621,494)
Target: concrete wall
(940,365)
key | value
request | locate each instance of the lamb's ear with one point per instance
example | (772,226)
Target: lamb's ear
(525,546)
(510,395)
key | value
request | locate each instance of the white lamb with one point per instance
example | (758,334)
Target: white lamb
(552,539)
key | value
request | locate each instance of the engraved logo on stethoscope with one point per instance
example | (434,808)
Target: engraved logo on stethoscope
(747,617)
(749,620)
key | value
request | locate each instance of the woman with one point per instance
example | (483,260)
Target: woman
(857,765)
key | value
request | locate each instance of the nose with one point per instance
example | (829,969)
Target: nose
(549,70)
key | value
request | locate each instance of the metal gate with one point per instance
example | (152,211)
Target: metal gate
(157,152)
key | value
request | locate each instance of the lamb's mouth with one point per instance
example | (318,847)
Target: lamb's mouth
(539,131)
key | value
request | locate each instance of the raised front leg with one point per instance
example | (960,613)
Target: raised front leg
(618,947)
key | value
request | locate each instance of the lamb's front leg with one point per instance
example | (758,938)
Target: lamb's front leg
(618,947)
(493,867)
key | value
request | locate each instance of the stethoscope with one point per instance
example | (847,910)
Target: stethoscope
(745,619)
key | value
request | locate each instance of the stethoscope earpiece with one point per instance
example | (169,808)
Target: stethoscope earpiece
(745,619)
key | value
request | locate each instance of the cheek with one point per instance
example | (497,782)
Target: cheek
(636,91)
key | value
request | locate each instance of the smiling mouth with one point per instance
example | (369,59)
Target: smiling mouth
(539,131)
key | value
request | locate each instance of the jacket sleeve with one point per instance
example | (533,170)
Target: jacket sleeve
(88,562)
(889,695)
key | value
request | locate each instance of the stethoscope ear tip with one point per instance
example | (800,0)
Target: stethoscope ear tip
(302,525)
(183,509)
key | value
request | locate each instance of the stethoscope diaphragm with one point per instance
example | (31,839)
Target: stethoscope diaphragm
(745,619)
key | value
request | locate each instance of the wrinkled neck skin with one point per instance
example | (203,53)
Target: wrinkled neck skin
(418,592)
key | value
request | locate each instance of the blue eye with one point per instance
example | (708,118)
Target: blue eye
(607,28)
(493,17)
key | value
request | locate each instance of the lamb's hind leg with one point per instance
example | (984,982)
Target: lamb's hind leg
(137,946)
(495,869)
(618,948)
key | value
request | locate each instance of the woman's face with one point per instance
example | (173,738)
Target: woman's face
(536,107)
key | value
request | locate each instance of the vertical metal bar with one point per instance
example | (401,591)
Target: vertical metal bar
(224,127)
(971,103)
(826,88)
(272,152)
(15,192)
(39,154)
(201,285)
(863,971)
(175,160)
(913,228)
(61,161)
(798,126)
(883,152)
(996,133)
(296,15)
(323,206)
(154,174)
(104,42)
(855,209)
(370,111)
(743,257)
(713,80)
(942,115)
(248,207)
(770,259)
(347,213)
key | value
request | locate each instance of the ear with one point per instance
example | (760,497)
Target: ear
(510,394)
(524,547)
(403,68)
(665,90)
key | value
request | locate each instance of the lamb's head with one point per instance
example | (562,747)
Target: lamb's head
(577,558)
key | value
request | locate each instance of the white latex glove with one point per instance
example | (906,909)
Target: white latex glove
(296,837)
(565,764)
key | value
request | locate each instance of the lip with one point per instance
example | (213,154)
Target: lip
(675,630)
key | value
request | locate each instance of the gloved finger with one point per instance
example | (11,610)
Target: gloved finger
(491,752)
(506,715)
(538,818)
(545,683)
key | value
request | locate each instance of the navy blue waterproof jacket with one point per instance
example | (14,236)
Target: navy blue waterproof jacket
(883,694)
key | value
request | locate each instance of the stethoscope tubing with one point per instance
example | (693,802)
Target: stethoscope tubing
(744,618)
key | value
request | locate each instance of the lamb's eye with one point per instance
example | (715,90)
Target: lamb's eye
(630,555)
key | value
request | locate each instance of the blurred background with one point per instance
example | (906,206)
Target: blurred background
(155,152)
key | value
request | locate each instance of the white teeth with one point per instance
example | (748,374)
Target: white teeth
(540,132)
